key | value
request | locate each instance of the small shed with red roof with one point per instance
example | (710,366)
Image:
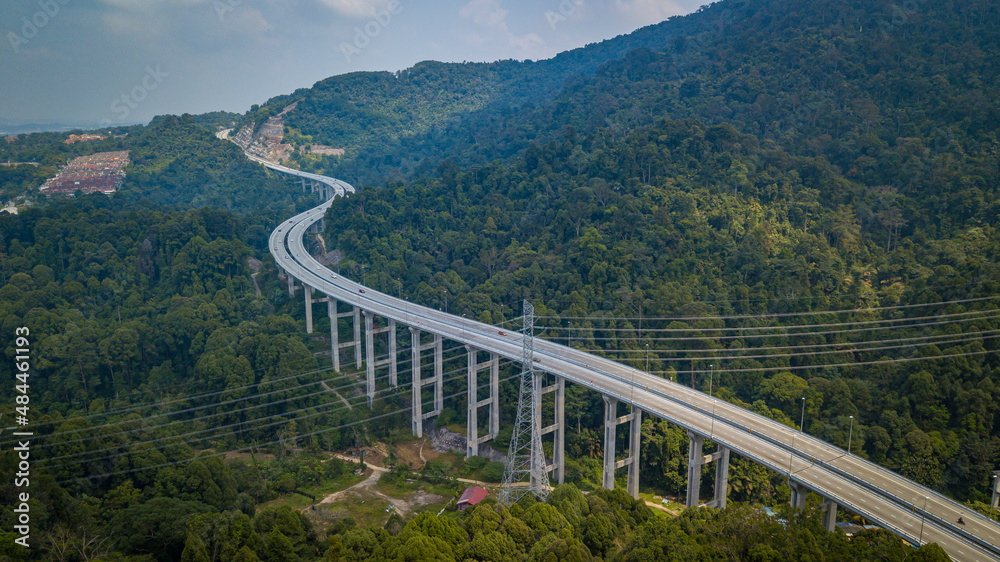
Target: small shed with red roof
(472,496)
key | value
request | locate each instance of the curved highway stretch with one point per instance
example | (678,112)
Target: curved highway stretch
(916,513)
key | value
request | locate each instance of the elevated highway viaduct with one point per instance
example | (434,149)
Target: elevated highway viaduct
(912,511)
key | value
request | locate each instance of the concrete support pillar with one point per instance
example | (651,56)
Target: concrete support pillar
(799,491)
(536,419)
(371,362)
(721,478)
(695,460)
(610,415)
(331,313)
(472,419)
(291,285)
(438,374)
(309,309)
(357,337)
(557,429)
(829,515)
(417,419)
(996,490)
(611,421)
(335,343)
(416,348)
(494,426)
(559,450)
(473,440)
(369,357)
(393,375)
(635,425)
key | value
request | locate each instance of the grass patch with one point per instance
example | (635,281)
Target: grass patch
(368,511)
(400,490)
(321,490)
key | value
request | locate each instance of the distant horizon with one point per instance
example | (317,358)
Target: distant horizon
(119,62)
(10,127)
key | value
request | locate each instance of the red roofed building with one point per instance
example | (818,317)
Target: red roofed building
(472,496)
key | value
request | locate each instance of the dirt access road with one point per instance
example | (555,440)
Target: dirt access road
(367,486)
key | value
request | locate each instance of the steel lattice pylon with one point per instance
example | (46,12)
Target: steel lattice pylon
(525,471)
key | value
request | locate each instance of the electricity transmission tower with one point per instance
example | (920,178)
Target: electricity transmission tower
(525,471)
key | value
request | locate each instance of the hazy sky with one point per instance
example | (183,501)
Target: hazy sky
(125,61)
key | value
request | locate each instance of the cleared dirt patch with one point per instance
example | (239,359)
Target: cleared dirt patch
(416,453)
(248,457)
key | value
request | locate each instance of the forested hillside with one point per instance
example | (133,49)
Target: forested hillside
(886,95)
(788,157)
(371,114)
(792,203)
(720,228)
(150,345)
(794,157)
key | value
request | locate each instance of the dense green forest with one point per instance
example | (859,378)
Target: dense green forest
(151,346)
(905,99)
(132,335)
(721,228)
(848,162)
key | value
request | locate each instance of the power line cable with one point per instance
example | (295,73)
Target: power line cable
(993,312)
(776,347)
(277,441)
(184,421)
(791,334)
(777,300)
(831,365)
(838,351)
(407,359)
(382,392)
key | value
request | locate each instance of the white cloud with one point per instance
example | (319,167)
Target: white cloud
(45,53)
(249,21)
(144,5)
(650,11)
(126,24)
(357,9)
(490,14)
(485,12)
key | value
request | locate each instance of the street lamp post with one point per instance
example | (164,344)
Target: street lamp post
(400,293)
(647,357)
(802,420)
(570,332)
(996,490)
(850,434)
(711,378)
(364,275)
(923,516)
(444,294)
(712,430)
